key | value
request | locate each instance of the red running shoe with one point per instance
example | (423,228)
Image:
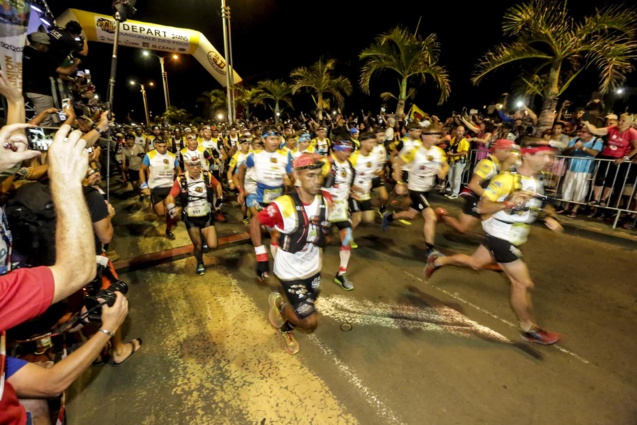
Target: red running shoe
(220,218)
(431,267)
(540,336)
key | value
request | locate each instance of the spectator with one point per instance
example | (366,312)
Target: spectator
(38,67)
(457,153)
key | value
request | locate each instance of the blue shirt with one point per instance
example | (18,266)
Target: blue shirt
(584,165)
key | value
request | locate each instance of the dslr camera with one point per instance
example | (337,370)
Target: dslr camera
(94,305)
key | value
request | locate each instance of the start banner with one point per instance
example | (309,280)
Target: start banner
(149,36)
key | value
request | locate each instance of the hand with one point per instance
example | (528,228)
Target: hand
(9,91)
(146,192)
(113,317)
(240,198)
(263,270)
(218,203)
(619,161)
(15,146)
(553,224)
(68,160)
(518,198)
(578,145)
(111,210)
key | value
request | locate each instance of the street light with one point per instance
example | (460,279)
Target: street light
(227,47)
(143,90)
(164,74)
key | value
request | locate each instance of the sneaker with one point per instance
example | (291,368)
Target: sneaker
(405,222)
(275,317)
(220,218)
(431,266)
(246,221)
(200,269)
(170,235)
(205,247)
(384,225)
(540,336)
(450,196)
(291,344)
(440,212)
(354,245)
(344,281)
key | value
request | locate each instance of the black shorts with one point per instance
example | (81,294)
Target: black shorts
(470,205)
(133,175)
(404,175)
(418,200)
(340,225)
(359,206)
(200,222)
(377,182)
(158,194)
(502,250)
(302,294)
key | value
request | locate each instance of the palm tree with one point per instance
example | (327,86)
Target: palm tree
(248,97)
(174,115)
(557,48)
(318,80)
(277,91)
(408,55)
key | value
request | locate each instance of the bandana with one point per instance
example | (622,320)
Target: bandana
(537,149)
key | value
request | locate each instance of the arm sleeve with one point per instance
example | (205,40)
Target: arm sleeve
(96,206)
(14,364)
(288,167)
(176,189)
(271,216)
(176,162)
(24,293)
(503,117)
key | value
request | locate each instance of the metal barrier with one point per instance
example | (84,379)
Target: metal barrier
(621,189)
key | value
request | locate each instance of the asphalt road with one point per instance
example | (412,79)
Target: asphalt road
(395,350)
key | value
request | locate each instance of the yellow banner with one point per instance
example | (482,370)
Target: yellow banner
(149,36)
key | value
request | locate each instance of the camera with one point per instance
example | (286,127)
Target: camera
(94,306)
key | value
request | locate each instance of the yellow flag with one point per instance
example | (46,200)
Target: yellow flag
(416,112)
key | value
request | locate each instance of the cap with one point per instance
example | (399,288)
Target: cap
(414,126)
(305,137)
(353,130)
(213,128)
(187,129)
(502,144)
(321,128)
(130,136)
(40,37)
(156,127)
(308,161)
(612,117)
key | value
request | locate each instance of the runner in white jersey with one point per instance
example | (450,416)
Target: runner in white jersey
(509,205)
(140,137)
(301,218)
(195,190)
(424,162)
(216,148)
(321,144)
(378,182)
(233,168)
(365,165)
(156,175)
(339,175)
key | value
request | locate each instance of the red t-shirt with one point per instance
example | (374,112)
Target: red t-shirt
(24,294)
(619,144)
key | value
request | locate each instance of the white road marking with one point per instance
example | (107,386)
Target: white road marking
(558,347)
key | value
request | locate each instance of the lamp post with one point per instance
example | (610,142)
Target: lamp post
(227,46)
(145,99)
(164,74)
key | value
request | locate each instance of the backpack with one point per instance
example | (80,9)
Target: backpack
(31,216)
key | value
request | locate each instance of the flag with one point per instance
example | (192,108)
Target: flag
(416,113)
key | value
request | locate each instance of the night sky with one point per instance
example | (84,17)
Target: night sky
(272,37)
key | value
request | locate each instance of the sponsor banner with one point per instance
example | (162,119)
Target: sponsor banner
(14,20)
(149,36)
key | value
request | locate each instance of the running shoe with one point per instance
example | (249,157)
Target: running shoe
(170,235)
(431,267)
(291,344)
(354,245)
(440,212)
(275,317)
(220,217)
(200,269)
(246,221)
(205,247)
(384,225)
(405,222)
(540,336)
(344,282)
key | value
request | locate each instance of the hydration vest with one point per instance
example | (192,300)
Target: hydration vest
(296,240)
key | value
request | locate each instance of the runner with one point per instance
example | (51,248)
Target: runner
(378,182)
(422,162)
(132,156)
(364,162)
(510,204)
(321,144)
(500,158)
(233,168)
(156,175)
(195,190)
(301,219)
(338,174)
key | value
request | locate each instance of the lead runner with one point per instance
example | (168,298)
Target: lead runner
(301,219)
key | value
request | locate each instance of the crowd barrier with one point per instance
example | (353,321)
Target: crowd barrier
(621,200)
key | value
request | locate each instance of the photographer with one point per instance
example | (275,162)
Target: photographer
(29,380)
(37,67)
(68,42)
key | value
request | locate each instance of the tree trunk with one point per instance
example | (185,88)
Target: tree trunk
(549,106)
(402,97)
(319,104)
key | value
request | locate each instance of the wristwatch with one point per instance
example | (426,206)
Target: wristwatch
(627,158)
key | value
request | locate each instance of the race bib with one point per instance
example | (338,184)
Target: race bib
(519,233)
(198,210)
(339,211)
(270,195)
